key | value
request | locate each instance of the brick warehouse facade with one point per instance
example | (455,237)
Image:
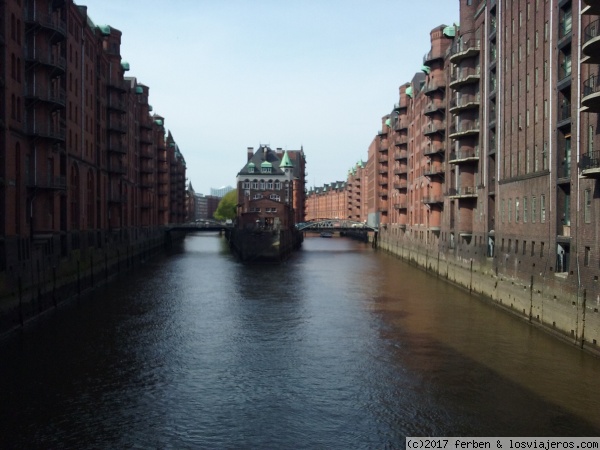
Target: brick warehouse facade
(86,169)
(493,177)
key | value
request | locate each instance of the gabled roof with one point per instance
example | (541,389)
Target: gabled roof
(263,155)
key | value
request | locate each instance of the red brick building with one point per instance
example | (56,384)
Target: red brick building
(83,161)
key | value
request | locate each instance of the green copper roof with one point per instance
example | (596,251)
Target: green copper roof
(251,164)
(125,65)
(158,122)
(388,122)
(450,32)
(266,164)
(286,161)
(150,108)
(139,90)
(409,91)
(104,29)
(426,69)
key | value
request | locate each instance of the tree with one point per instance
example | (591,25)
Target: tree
(227,208)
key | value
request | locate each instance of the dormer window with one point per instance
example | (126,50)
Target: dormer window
(251,169)
(266,169)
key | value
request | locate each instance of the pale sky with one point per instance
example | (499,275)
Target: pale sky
(232,74)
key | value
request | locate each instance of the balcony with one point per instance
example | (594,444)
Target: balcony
(401,171)
(117,103)
(35,20)
(464,129)
(118,148)
(402,140)
(434,150)
(434,127)
(401,155)
(463,192)
(49,184)
(464,156)
(591,94)
(55,97)
(590,164)
(401,105)
(401,204)
(463,77)
(435,170)
(49,131)
(591,43)
(117,169)
(564,115)
(462,50)
(401,125)
(47,58)
(118,85)
(592,8)
(433,86)
(464,102)
(401,185)
(432,55)
(434,107)
(117,125)
(434,200)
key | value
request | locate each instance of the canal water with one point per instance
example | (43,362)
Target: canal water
(341,347)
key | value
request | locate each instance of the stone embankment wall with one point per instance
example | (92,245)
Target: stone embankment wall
(542,298)
(41,286)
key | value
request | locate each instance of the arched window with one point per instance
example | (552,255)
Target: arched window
(13,106)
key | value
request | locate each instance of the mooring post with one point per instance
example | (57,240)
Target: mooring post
(471,282)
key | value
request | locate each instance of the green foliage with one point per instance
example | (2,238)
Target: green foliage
(227,206)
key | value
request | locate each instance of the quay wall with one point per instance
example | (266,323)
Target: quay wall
(534,294)
(30,288)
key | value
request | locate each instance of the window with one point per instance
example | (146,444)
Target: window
(541,249)
(509,209)
(257,196)
(532,248)
(543,208)
(591,139)
(246,185)
(586,256)
(255,185)
(278,185)
(502,210)
(262,185)
(270,185)
(587,212)
(525,211)
(266,169)
(533,209)
(517,211)
(275,197)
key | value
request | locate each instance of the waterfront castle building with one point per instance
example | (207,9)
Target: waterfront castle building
(85,165)
(487,167)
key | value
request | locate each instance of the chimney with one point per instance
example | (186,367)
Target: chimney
(250,153)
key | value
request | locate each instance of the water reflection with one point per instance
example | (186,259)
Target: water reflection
(340,347)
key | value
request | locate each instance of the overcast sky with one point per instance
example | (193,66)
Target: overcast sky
(232,74)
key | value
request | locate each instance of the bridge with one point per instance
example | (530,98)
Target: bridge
(334,225)
(197,227)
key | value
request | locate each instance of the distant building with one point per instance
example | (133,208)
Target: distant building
(220,192)
(206,205)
